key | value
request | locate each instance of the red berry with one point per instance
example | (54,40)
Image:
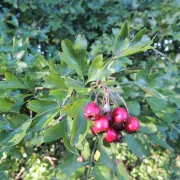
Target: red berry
(101,125)
(118,137)
(80,159)
(120,115)
(131,125)
(110,135)
(118,126)
(93,130)
(92,111)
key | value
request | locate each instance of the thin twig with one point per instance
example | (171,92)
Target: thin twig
(122,101)
(91,160)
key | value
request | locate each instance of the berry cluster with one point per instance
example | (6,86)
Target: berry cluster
(111,123)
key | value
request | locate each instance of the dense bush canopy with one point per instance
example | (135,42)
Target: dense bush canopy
(52,54)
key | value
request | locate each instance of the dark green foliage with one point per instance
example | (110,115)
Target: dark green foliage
(46,80)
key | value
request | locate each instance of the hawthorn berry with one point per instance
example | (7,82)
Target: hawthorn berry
(120,115)
(80,159)
(110,135)
(93,130)
(101,125)
(92,111)
(131,125)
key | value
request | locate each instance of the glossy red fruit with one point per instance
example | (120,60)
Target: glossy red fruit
(80,159)
(120,115)
(118,137)
(119,126)
(110,135)
(92,111)
(131,125)
(93,130)
(101,125)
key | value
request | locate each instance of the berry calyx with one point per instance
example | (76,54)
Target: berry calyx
(118,137)
(92,111)
(131,125)
(110,135)
(101,125)
(120,115)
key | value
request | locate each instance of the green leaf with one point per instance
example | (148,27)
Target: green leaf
(77,85)
(5,104)
(124,47)
(134,107)
(113,67)
(68,145)
(161,142)
(14,137)
(96,68)
(81,47)
(12,82)
(14,120)
(150,125)
(79,123)
(54,81)
(69,55)
(41,106)
(59,94)
(163,109)
(122,39)
(122,173)
(55,132)
(68,167)
(136,146)
(101,172)
(86,152)
(40,121)
(138,36)
(105,159)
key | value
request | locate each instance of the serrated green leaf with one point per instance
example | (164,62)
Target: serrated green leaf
(135,145)
(77,85)
(68,167)
(79,124)
(161,142)
(69,55)
(41,120)
(55,132)
(134,107)
(95,68)
(122,40)
(138,36)
(163,109)
(80,46)
(124,47)
(101,172)
(41,106)
(68,145)
(14,137)
(122,173)
(14,120)
(54,81)
(5,104)
(12,82)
